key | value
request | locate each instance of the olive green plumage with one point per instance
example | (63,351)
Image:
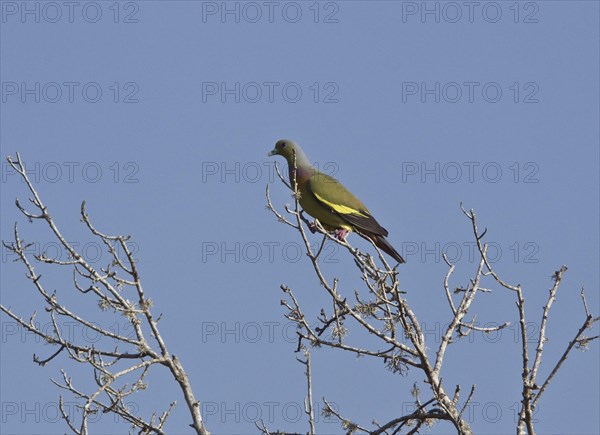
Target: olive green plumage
(326,199)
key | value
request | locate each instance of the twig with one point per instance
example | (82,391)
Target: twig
(308,402)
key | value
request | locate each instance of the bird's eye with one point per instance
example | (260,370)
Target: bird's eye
(283,145)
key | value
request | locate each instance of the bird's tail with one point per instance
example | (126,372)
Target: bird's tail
(382,243)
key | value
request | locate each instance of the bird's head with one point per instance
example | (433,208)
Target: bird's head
(285,148)
(288,149)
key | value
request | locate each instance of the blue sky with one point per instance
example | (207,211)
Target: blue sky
(160,115)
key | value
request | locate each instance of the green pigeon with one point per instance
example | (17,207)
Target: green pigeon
(326,199)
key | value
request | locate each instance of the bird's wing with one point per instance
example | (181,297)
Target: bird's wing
(333,195)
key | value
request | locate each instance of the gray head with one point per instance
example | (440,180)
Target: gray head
(287,148)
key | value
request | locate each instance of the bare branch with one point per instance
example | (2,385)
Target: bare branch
(109,288)
(308,402)
(542,337)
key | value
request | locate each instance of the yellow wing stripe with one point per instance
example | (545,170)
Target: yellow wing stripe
(341,209)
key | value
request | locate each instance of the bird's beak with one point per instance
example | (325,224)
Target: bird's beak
(272,152)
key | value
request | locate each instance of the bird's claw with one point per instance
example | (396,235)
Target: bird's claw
(312,226)
(341,234)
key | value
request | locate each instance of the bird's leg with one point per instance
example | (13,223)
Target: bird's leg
(312,226)
(341,233)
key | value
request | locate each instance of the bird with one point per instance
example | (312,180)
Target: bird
(327,200)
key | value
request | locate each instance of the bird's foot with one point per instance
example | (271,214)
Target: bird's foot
(312,226)
(341,234)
